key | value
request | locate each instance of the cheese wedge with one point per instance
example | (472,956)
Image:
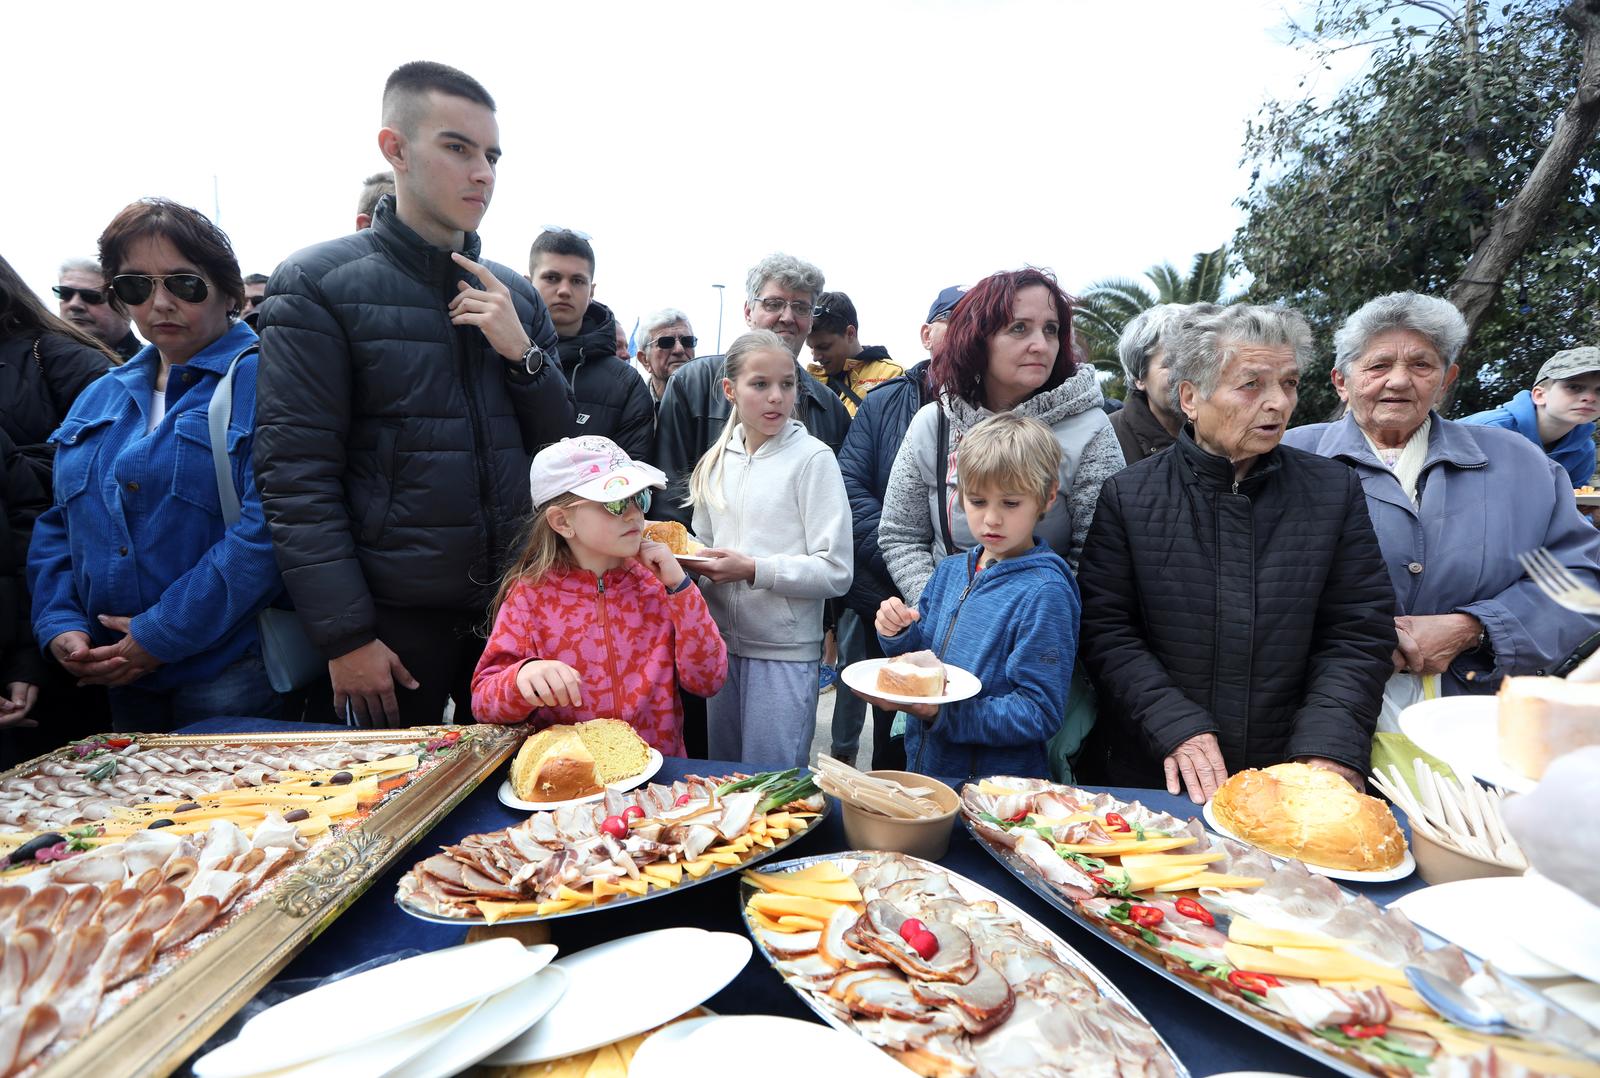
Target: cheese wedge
(1139,860)
(1142,878)
(495,911)
(776,905)
(844,890)
(1212,879)
(1244,930)
(801,924)
(698,867)
(670,873)
(1341,965)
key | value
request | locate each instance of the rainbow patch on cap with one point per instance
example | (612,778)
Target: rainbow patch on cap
(614,482)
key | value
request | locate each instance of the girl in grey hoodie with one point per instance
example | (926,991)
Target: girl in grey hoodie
(770,505)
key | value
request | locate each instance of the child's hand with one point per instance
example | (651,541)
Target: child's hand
(657,557)
(728,566)
(894,617)
(550,683)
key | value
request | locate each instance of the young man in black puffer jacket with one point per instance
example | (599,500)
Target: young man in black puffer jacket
(612,400)
(404,389)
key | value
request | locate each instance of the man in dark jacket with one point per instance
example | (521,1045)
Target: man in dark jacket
(780,293)
(403,389)
(1236,608)
(611,398)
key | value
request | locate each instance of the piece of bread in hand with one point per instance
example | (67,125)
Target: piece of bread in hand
(917,673)
(1542,718)
(674,535)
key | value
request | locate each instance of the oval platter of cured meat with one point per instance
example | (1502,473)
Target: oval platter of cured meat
(629,847)
(945,976)
(1288,953)
(150,884)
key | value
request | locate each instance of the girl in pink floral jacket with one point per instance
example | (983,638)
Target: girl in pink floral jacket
(593,621)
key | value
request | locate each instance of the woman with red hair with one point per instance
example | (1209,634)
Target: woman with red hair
(1008,349)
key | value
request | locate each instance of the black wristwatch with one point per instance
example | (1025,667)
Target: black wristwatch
(533,358)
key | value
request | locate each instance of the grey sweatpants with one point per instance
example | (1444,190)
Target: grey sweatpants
(765,714)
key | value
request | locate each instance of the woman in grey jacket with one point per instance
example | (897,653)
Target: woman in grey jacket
(770,504)
(1006,350)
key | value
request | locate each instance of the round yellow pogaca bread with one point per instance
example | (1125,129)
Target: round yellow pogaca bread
(1295,810)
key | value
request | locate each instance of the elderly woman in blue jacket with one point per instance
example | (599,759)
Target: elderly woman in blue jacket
(1453,505)
(137,582)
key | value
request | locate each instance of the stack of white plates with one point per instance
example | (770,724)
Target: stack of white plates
(787,1048)
(422,1017)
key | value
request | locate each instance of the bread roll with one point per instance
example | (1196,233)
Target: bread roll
(1545,717)
(918,673)
(554,765)
(674,535)
(1295,810)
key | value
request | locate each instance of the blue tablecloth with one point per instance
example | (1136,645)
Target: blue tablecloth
(1207,1041)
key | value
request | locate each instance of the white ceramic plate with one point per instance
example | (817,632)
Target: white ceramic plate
(1581,998)
(627,986)
(509,798)
(1406,867)
(496,1022)
(1588,500)
(786,1047)
(1559,926)
(377,1004)
(958,684)
(693,563)
(1464,732)
(1473,914)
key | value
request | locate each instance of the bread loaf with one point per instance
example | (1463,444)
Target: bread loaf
(1545,717)
(563,762)
(1295,810)
(674,535)
(917,673)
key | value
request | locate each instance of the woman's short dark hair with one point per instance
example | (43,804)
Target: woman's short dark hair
(190,231)
(962,358)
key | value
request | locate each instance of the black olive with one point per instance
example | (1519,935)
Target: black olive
(187,806)
(24,853)
(154,824)
(341,777)
(316,782)
(296,816)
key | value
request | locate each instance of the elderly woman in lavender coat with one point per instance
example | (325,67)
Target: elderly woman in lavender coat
(1453,505)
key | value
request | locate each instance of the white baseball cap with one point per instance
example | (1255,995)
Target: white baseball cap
(591,467)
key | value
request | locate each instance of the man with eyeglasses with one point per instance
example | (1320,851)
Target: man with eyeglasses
(669,343)
(780,292)
(610,401)
(81,288)
(405,386)
(848,367)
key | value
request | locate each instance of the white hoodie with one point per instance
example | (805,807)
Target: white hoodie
(786,508)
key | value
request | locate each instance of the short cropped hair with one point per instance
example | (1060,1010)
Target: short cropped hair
(560,242)
(81,265)
(373,188)
(791,273)
(1011,453)
(409,83)
(1434,318)
(666,316)
(1148,332)
(962,360)
(1204,344)
(835,313)
(190,231)
(257,278)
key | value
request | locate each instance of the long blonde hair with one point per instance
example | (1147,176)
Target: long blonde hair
(545,549)
(705,482)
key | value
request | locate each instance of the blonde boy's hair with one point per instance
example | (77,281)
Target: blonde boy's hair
(1011,453)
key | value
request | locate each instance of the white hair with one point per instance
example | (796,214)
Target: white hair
(81,265)
(1204,343)
(1148,331)
(1436,319)
(792,273)
(666,316)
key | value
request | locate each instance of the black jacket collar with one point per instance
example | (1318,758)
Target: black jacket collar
(416,255)
(1216,473)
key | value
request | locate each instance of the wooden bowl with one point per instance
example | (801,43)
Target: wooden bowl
(927,838)
(1437,863)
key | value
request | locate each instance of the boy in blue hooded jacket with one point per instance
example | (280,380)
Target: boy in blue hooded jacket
(1006,611)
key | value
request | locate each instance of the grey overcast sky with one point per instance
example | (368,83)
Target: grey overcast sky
(900,146)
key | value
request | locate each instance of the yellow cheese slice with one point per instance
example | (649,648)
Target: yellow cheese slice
(670,873)
(1244,930)
(721,858)
(1211,879)
(775,905)
(801,924)
(1346,966)
(1405,997)
(698,867)
(1142,879)
(633,887)
(994,788)
(1153,844)
(495,911)
(553,906)
(1136,860)
(841,890)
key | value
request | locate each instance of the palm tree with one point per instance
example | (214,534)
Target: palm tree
(1107,306)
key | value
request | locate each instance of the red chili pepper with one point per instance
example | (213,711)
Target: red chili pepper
(1192,909)
(1247,981)
(1145,916)
(1101,880)
(1115,822)
(1018,818)
(1361,1032)
(119,742)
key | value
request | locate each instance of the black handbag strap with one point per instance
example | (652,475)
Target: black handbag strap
(943,465)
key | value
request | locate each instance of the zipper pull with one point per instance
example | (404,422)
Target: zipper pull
(600,584)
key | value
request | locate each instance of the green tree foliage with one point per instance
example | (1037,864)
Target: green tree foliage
(1392,184)
(1109,305)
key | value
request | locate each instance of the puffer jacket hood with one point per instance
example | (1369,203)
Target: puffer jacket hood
(1079,393)
(611,399)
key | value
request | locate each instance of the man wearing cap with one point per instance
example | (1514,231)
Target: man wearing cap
(865,460)
(839,359)
(1558,413)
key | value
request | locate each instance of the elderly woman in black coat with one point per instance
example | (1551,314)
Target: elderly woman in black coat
(1236,611)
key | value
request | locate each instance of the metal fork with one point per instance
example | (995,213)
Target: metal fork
(1558,582)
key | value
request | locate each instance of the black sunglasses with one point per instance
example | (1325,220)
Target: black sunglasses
(135,288)
(666,342)
(92,296)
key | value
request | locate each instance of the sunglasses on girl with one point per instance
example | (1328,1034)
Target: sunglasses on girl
(92,296)
(136,288)
(620,506)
